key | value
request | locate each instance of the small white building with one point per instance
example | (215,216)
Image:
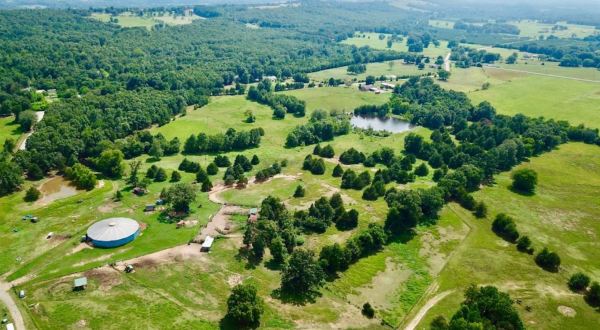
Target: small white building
(10,326)
(386,85)
(207,244)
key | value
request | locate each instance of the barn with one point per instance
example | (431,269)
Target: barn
(113,232)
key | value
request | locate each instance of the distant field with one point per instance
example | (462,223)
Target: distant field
(372,40)
(443,24)
(534,29)
(561,216)
(8,129)
(575,101)
(398,68)
(552,68)
(146,21)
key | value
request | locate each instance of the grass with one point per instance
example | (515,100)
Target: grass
(128,20)
(9,129)
(372,40)
(534,29)
(397,68)
(575,101)
(561,215)
(443,24)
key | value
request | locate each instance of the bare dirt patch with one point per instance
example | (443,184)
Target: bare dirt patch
(234,280)
(106,277)
(566,311)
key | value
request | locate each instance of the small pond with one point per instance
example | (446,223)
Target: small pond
(56,188)
(389,124)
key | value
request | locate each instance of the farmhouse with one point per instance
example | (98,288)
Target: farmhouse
(113,232)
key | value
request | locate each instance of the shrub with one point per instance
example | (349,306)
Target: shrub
(524,180)
(338,171)
(299,191)
(504,226)
(579,282)
(421,170)
(352,156)
(32,195)
(593,295)
(549,261)
(480,210)
(524,244)
(161,175)
(81,176)
(175,176)
(212,169)
(368,311)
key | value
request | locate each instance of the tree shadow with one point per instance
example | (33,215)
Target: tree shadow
(151,160)
(402,238)
(227,323)
(521,192)
(294,298)
(273,265)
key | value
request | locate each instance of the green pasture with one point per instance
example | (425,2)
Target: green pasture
(562,216)
(442,24)
(534,29)
(9,129)
(147,21)
(561,99)
(378,69)
(372,40)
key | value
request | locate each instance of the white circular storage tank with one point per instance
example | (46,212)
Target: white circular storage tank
(113,232)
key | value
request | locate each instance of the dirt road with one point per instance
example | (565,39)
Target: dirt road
(540,74)
(39,116)
(447,62)
(419,316)
(11,305)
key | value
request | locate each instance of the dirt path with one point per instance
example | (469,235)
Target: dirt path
(39,116)
(432,302)
(447,62)
(540,74)
(13,310)
(219,222)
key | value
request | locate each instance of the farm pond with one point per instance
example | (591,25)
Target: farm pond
(389,124)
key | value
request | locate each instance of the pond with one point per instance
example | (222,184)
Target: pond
(56,188)
(389,124)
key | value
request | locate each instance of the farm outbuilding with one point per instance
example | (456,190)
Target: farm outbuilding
(113,232)
(207,244)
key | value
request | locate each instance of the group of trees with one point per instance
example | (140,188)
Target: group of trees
(490,28)
(324,212)
(143,142)
(321,127)
(325,152)
(232,140)
(579,282)
(315,165)
(335,258)
(483,308)
(465,57)
(281,103)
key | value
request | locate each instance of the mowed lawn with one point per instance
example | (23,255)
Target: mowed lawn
(397,68)
(534,29)
(561,99)
(8,129)
(563,216)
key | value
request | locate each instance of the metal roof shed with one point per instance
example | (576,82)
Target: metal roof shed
(208,241)
(80,283)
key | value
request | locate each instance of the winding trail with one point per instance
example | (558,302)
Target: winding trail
(11,305)
(430,303)
(39,116)
(447,62)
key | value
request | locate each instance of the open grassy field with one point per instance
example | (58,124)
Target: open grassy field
(191,293)
(372,40)
(552,68)
(397,68)
(147,21)
(534,29)
(9,129)
(575,101)
(442,24)
(561,216)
